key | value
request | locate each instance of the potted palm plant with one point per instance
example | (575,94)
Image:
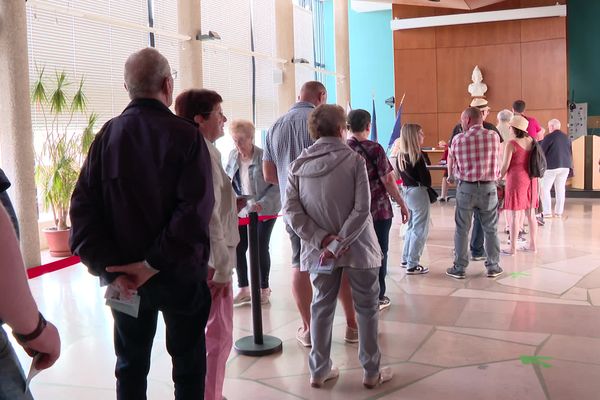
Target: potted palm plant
(68,132)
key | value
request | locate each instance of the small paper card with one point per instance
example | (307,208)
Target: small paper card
(129,306)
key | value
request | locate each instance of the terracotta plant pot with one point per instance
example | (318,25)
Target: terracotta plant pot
(58,242)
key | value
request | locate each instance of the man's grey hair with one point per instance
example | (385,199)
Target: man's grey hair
(505,115)
(145,72)
(554,123)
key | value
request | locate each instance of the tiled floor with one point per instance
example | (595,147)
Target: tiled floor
(479,338)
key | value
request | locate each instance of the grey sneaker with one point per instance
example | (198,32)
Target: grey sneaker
(492,273)
(418,270)
(385,374)
(384,303)
(334,372)
(303,337)
(478,258)
(455,273)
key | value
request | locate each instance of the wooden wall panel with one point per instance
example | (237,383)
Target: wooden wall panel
(415,75)
(519,60)
(478,34)
(544,66)
(429,124)
(543,29)
(414,39)
(447,122)
(543,116)
(501,68)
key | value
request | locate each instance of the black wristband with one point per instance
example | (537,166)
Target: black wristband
(36,332)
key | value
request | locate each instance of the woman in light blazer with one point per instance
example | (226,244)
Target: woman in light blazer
(328,206)
(244,167)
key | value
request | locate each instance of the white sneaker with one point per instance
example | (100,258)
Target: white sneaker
(385,374)
(243,297)
(334,372)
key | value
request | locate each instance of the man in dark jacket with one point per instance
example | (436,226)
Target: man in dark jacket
(559,159)
(5,200)
(140,215)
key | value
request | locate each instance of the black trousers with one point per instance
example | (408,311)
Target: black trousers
(382,230)
(133,339)
(265,228)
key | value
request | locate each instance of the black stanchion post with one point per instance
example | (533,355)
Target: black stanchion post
(258,344)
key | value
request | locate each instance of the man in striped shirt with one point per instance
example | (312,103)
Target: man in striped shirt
(473,161)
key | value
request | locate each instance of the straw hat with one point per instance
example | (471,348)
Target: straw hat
(519,122)
(480,103)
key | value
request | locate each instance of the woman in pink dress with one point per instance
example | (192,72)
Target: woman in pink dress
(521,192)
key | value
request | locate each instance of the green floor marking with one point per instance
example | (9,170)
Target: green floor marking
(536,360)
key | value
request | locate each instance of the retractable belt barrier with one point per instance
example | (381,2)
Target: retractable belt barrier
(51,267)
(258,344)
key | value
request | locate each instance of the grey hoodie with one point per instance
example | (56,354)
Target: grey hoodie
(328,193)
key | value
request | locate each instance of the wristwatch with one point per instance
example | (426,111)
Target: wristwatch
(21,338)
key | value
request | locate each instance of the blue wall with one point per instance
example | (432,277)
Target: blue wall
(372,66)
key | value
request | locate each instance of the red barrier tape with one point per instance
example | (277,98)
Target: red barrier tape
(261,218)
(67,262)
(51,267)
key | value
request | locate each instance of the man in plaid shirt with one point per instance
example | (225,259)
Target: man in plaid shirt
(473,161)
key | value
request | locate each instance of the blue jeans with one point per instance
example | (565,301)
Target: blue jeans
(476,245)
(12,378)
(382,230)
(483,198)
(417,201)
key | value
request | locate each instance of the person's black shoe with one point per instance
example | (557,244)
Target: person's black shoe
(418,270)
(492,273)
(455,273)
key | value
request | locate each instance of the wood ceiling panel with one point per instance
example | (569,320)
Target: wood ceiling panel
(457,4)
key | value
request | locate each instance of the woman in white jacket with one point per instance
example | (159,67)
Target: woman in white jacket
(328,206)
(204,108)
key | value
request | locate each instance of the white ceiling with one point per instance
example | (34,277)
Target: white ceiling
(378,5)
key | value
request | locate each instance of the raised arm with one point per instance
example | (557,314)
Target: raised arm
(17,306)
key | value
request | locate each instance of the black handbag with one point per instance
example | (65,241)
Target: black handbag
(433,195)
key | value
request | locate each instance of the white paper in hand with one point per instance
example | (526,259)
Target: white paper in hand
(33,371)
(129,306)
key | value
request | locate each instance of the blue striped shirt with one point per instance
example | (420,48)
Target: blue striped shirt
(286,139)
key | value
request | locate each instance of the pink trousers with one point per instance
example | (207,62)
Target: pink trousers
(219,339)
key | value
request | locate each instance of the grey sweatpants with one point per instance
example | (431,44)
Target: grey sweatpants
(365,294)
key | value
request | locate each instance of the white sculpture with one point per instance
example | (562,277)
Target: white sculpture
(477,88)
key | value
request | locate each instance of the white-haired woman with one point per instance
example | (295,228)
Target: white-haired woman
(328,206)
(244,167)
(412,164)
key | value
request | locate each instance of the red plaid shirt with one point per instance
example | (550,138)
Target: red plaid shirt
(475,154)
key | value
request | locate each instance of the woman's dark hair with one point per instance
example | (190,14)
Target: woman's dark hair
(326,121)
(358,120)
(519,134)
(196,102)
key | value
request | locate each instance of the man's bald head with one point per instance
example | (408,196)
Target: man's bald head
(471,116)
(313,92)
(145,74)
